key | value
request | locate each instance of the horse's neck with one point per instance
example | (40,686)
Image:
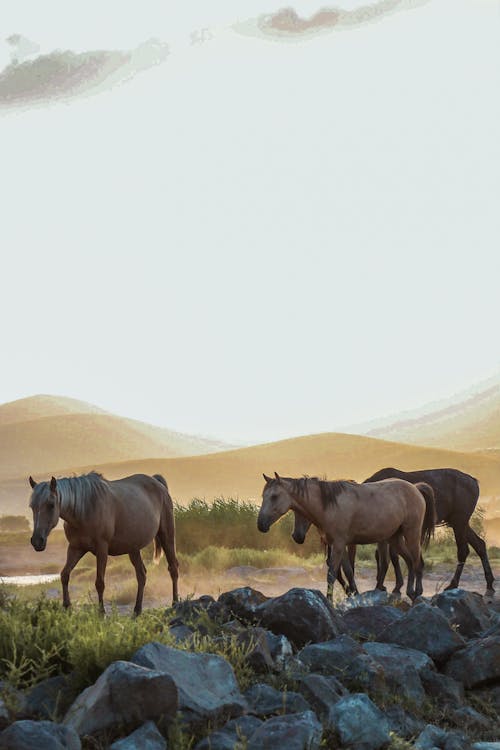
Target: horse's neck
(66,511)
(308,507)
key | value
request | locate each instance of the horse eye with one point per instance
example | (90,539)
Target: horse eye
(51,505)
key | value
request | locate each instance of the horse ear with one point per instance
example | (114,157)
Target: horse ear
(277,477)
(268,479)
(32,482)
(53,484)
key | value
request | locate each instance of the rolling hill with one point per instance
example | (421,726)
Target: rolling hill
(46,434)
(238,473)
(472,423)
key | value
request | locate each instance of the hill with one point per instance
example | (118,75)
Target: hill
(238,473)
(46,434)
(472,423)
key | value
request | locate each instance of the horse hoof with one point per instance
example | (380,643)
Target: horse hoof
(450,587)
(490,593)
(396,592)
(381,588)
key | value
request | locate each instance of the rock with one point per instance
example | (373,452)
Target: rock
(391,651)
(235,731)
(146,737)
(366,623)
(181,632)
(243,603)
(374,598)
(280,649)
(50,697)
(402,723)
(302,615)
(256,646)
(206,684)
(12,703)
(264,700)
(42,735)
(476,664)
(345,659)
(465,610)
(4,714)
(426,629)
(443,689)
(293,732)
(359,723)
(125,693)
(401,675)
(322,693)
(456,741)
(486,746)
(469,719)
(430,738)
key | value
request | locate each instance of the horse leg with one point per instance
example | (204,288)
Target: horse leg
(352,589)
(168,545)
(414,551)
(73,555)
(382,558)
(336,554)
(479,547)
(399,545)
(397,571)
(460,532)
(102,559)
(140,572)
(340,577)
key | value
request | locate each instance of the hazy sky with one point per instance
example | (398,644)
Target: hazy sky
(258,237)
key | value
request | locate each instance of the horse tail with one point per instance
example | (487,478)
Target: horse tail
(429,523)
(158,551)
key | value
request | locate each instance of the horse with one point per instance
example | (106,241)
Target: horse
(107,518)
(456,495)
(349,513)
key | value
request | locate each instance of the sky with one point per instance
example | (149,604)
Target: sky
(261,232)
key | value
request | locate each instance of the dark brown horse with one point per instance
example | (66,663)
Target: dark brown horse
(107,518)
(350,513)
(456,495)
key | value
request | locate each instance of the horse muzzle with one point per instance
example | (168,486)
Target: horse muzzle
(39,542)
(298,537)
(263,525)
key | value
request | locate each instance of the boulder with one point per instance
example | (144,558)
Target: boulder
(476,664)
(264,700)
(50,697)
(468,719)
(234,732)
(322,693)
(345,659)
(401,675)
(42,735)
(430,738)
(465,610)
(391,652)
(293,732)
(243,604)
(181,632)
(206,684)
(12,704)
(256,646)
(443,689)
(302,615)
(146,737)
(280,649)
(366,623)
(486,746)
(426,629)
(124,694)
(403,723)
(359,723)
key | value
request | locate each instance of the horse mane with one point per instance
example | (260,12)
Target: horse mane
(82,495)
(329,491)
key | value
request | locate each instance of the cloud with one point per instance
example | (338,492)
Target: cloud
(66,74)
(286,23)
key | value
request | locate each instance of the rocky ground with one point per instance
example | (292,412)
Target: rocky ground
(372,674)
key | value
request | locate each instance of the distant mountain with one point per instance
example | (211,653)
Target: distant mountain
(43,434)
(472,423)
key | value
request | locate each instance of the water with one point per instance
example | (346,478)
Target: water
(30,580)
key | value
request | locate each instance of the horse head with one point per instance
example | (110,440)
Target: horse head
(45,505)
(276,501)
(301,526)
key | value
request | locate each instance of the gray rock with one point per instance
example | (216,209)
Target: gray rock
(360,724)
(264,700)
(293,732)
(50,697)
(206,684)
(426,629)
(181,632)
(345,659)
(457,741)
(12,703)
(486,746)
(42,735)
(280,649)
(366,623)
(302,615)
(401,676)
(390,651)
(322,693)
(234,732)
(402,723)
(243,604)
(468,719)
(146,737)
(256,646)
(465,610)
(125,693)
(443,689)
(431,737)
(4,713)
(477,664)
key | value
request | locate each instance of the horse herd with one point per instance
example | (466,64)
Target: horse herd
(395,509)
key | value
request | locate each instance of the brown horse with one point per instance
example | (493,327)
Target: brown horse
(107,518)
(349,513)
